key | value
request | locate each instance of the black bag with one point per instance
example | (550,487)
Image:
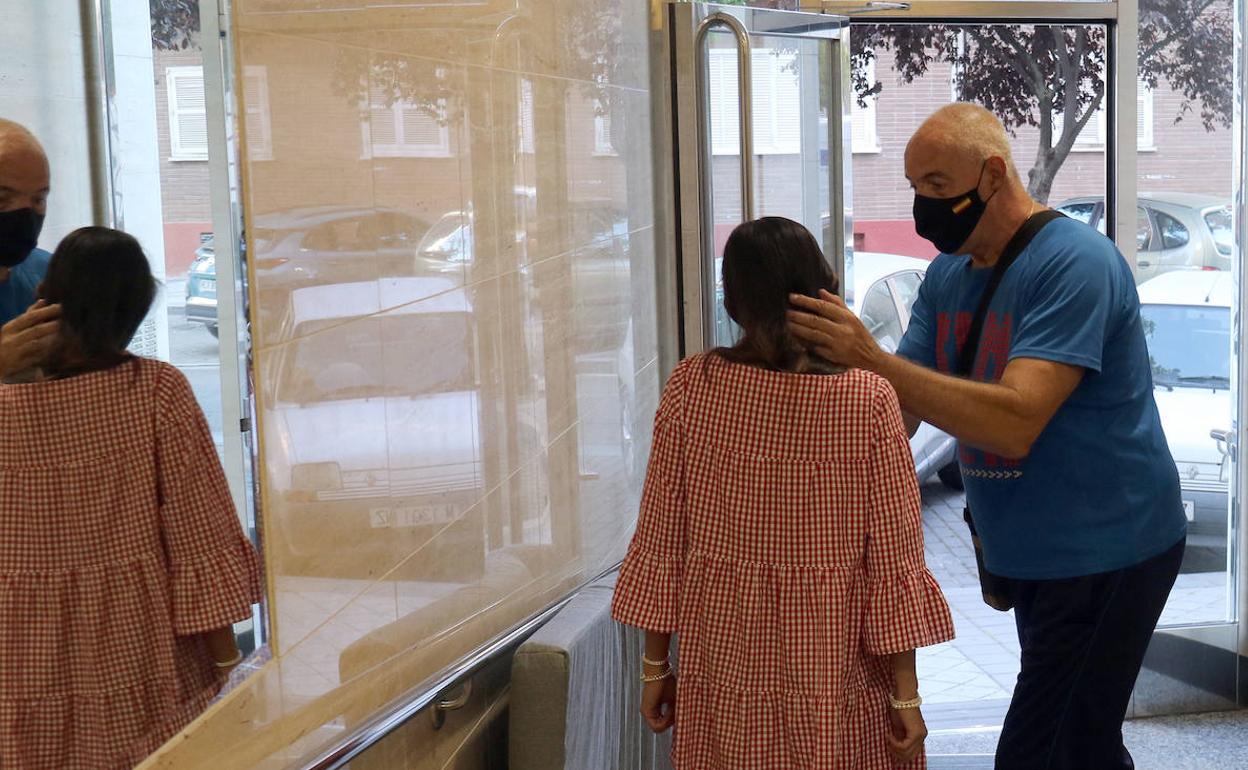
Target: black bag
(995,589)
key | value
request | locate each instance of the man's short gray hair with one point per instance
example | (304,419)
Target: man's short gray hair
(974,130)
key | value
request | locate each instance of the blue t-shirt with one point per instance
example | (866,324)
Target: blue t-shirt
(18,293)
(1099,490)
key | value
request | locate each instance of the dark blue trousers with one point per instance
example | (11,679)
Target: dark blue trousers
(1083,641)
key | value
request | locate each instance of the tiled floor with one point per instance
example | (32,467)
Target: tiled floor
(980,666)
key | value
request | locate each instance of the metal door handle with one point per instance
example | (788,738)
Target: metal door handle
(745,107)
(444,704)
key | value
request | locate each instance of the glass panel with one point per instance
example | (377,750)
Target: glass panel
(789,88)
(1185,158)
(905,73)
(879,315)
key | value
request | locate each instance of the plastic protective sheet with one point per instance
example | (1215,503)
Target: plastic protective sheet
(575,694)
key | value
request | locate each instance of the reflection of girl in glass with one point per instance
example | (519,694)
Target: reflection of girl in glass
(780,539)
(122,561)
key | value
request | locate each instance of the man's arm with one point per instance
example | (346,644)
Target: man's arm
(1004,418)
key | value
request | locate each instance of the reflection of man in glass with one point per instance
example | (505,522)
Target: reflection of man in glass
(1068,476)
(28,328)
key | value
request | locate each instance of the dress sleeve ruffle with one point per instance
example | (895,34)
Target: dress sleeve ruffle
(906,611)
(215,588)
(647,594)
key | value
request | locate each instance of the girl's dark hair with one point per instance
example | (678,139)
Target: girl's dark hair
(764,262)
(104,285)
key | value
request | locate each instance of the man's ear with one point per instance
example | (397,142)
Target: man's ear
(997,171)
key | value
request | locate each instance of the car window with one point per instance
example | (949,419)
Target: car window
(879,315)
(404,355)
(347,234)
(1174,234)
(1188,346)
(1143,230)
(1080,211)
(395,230)
(906,287)
(1219,223)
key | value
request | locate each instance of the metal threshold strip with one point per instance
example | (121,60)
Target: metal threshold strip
(426,694)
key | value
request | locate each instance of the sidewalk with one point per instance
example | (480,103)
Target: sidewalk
(981,664)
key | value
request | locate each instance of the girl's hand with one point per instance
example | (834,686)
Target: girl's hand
(905,739)
(658,704)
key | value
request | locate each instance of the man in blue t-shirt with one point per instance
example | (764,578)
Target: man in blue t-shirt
(27,332)
(1069,480)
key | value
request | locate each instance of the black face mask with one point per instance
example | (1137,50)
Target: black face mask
(19,234)
(949,222)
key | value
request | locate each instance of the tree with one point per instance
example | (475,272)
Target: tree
(1053,77)
(175,24)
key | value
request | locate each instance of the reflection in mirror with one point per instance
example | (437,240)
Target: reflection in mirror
(118,518)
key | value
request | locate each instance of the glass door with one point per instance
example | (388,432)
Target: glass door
(761,106)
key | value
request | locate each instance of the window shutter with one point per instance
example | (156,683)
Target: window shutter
(602,135)
(419,127)
(723,86)
(188,123)
(256,106)
(527,133)
(862,119)
(1144,116)
(786,105)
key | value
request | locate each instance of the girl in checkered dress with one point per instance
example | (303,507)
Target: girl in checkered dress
(122,560)
(780,539)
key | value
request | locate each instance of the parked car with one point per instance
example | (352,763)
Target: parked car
(319,245)
(1176,231)
(1187,322)
(881,291)
(201,287)
(382,419)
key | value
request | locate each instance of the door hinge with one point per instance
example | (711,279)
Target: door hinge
(244,424)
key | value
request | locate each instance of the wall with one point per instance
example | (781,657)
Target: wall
(452,429)
(44,90)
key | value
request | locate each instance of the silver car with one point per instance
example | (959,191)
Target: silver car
(1175,231)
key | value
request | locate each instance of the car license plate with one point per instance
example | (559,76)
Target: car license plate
(1189,510)
(208,285)
(412,515)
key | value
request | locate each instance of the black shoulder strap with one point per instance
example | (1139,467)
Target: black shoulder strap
(966,356)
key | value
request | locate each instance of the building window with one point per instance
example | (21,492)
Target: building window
(866,139)
(188,122)
(259,118)
(525,118)
(776,102)
(1093,136)
(404,130)
(603,144)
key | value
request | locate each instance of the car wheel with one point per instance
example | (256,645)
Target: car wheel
(951,476)
(213,331)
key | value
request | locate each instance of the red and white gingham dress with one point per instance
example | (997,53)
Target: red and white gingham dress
(780,538)
(118,542)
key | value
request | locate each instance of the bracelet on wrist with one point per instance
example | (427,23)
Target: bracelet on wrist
(659,677)
(649,662)
(905,705)
(231,663)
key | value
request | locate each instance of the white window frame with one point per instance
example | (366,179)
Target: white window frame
(178,151)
